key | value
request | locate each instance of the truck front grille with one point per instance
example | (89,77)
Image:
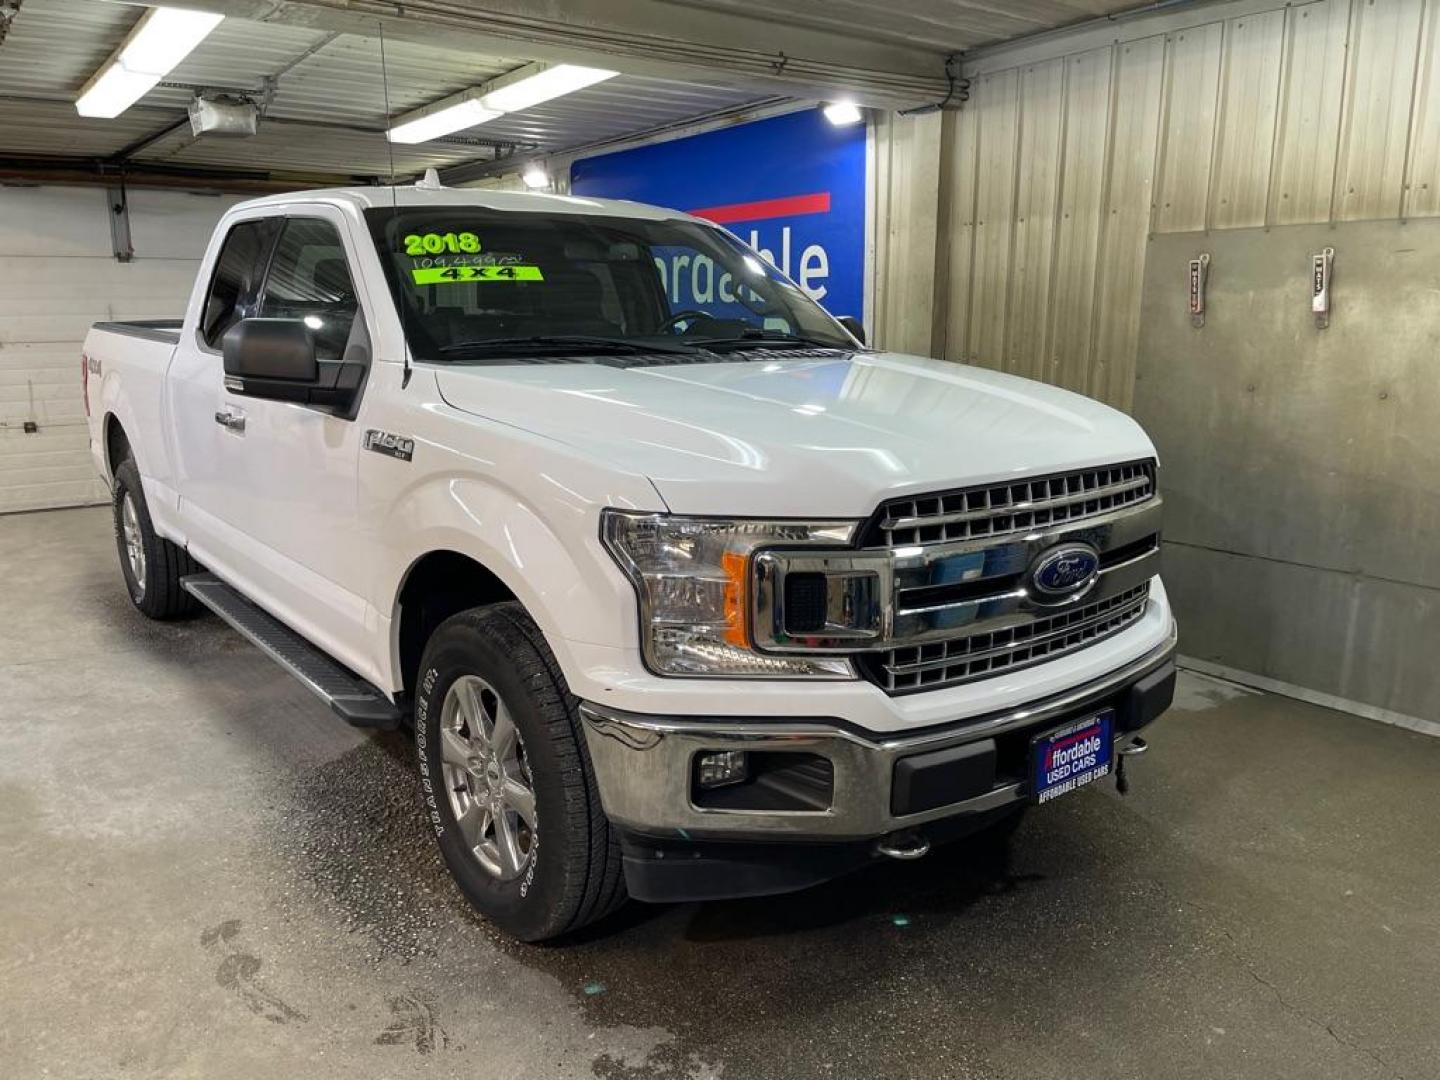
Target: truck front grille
(988,653)
(997,509)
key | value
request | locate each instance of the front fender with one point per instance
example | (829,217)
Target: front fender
(540,537)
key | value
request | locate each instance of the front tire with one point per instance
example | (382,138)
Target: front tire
(152,565)
(506,778)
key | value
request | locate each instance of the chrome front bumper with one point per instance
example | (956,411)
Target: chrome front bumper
(644,764)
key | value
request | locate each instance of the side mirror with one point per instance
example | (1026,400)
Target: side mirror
(275,359)
(265,350)
(854,326)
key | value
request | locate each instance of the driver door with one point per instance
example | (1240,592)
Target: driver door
(280,510)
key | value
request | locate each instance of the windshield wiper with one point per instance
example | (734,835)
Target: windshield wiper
(561,344)
(759,337)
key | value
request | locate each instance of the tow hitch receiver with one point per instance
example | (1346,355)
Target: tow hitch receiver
(1136,747)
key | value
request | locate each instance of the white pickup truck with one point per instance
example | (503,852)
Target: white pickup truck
(686,592)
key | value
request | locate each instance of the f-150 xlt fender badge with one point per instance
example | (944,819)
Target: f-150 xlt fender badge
(396,446)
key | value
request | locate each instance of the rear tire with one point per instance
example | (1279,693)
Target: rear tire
(152,565)
(503,765)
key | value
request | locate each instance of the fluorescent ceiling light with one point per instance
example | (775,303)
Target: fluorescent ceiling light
(841,113)
(443,119)
(535,177)
(538,83)
(521,89)
(161,39)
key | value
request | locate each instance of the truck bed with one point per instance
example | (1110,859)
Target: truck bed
(127,362)
(166,330)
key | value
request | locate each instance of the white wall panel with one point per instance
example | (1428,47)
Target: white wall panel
(907,194)
(1192,92)
(1037,189)
(1139,70)
(1250,102)
(958,245)
(57,276)
(54,221)
(164,225)
(1312,91)
(1384,43)
(1077,227)
(998,115)
(1422,175)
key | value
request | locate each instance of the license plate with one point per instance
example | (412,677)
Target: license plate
(1071,756)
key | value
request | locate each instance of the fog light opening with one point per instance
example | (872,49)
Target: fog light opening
(720,768)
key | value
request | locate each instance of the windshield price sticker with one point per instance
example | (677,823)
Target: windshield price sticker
(443,275)
(442,258)
(441,243)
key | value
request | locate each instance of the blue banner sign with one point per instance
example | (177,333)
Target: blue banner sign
(793,187)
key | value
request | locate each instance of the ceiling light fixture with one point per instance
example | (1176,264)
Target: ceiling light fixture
(521,89)
(535,177)
(535,84)
(443,118)
(162,38)
(843,113)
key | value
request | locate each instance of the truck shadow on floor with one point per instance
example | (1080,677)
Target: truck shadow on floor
(946,882)
(355,826)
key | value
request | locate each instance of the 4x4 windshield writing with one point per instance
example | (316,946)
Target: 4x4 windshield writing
(473,281)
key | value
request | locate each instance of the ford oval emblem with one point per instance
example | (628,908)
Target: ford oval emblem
(1064,572)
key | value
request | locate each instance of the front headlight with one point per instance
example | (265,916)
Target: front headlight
(693,579)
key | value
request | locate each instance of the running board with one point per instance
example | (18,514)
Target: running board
(356,701)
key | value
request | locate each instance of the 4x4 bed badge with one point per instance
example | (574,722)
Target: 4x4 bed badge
(396,446)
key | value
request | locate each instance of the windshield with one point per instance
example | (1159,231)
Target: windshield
(479,284)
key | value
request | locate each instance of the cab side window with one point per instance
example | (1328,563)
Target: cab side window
(309,279)
(235,285)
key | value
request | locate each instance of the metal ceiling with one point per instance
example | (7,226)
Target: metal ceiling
(946,26)
(325,90)
(327,111)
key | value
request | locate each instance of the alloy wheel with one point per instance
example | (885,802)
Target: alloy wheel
(487,777)
(134,542)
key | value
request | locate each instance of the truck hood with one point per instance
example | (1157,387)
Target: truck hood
(828,437)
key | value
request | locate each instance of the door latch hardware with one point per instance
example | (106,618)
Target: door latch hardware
(1199,274)
(230,421)
(1322,267)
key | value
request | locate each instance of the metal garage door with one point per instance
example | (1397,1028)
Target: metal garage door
(58,274)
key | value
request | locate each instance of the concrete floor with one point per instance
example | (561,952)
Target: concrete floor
(207,875)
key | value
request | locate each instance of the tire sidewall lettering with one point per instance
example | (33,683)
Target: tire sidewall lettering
(529,878)
(422,734)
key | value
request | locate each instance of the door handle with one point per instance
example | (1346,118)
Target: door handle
(231,421)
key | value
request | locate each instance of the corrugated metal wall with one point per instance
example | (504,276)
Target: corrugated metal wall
(1226,116)
(904,172)
(1089,163)
(1084,165)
